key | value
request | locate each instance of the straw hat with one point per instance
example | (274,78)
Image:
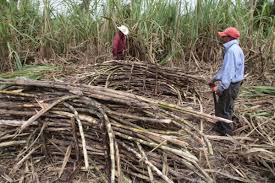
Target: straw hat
(123,29)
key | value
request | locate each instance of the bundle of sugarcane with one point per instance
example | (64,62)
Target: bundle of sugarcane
(257,101)
(59,130)
(144,79)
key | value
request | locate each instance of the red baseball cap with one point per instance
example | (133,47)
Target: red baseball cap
(230,31)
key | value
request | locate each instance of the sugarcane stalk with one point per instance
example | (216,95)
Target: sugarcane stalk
(43,111)
(164,177)
(186,155)
(146,159)
(81,133)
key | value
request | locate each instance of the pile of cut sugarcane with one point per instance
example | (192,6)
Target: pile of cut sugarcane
(151,80)
(55,131)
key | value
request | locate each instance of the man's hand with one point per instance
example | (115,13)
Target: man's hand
(214,88)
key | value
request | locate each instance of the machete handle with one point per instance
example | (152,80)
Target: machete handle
(212,85)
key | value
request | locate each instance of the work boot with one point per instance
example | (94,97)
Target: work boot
(223,128)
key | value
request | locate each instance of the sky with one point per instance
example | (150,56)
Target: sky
(59,6)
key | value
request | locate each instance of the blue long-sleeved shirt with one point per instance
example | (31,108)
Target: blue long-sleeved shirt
(232,70)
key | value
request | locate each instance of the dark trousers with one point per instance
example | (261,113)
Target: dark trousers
(225,108)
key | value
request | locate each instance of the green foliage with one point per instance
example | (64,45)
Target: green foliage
(267,90)
(30,71)
(164,29)
(256,91)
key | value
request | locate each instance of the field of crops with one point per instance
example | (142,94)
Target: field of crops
(160,31)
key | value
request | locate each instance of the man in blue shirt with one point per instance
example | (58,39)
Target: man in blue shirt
(230,77)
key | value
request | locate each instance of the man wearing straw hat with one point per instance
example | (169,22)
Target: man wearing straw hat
(230,77)
(119,42)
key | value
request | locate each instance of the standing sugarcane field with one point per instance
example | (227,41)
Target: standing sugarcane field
(137,91)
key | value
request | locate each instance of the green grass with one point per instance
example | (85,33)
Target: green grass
(257,91)
(163,31)
(262,94)
(267,90)
(30,72)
